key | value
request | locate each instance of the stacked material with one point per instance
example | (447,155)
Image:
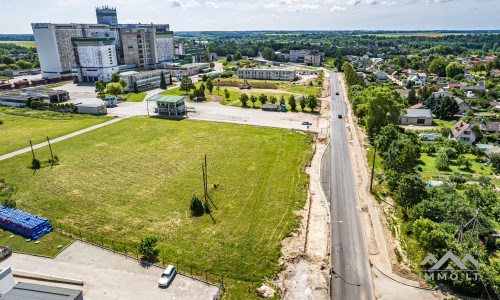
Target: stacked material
(23,222)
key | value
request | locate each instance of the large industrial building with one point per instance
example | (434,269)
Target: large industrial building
(55,47)
(271,74)
(94,51)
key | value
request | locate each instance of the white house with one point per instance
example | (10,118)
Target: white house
(419,117)
(462,132)
(417,81)
(442,93)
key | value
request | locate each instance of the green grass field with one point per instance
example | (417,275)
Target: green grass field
(139,97)
(20,125)
(235,92)
(29,44)
(136,177)
(47,246)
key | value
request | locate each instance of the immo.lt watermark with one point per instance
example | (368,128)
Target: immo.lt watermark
(442,271)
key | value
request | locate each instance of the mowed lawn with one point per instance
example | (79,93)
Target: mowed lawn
(20,125)
(136,177)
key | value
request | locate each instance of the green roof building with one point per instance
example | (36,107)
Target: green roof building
(169,104)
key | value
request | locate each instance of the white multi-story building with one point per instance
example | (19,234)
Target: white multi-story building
(272,74)
(55,48)
(96,58)
(141,44)
(299,56)
(165,46)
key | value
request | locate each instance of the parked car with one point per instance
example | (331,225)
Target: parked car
(306,123)
(167,276)
(336,93)
(340,116)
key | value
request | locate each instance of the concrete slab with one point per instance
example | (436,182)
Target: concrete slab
(107,275)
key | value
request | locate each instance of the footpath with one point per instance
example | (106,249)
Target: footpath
(58,139)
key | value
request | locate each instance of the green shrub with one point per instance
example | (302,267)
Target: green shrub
(35,164)
(196,206)
(147,247)
(9,202)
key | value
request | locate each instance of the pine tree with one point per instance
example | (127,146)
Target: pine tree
(163,82)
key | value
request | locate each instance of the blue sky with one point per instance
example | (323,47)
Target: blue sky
(16,16)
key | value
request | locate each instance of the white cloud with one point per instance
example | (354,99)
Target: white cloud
(437,1)
(337,8)
(388,3)
(271,5)
(184,3)
(211,4)
(302,7)
(275,16)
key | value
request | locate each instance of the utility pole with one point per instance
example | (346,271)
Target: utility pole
(32,152)
(51,155)
(373,166)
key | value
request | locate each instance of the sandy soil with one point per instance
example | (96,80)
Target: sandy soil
(306,255)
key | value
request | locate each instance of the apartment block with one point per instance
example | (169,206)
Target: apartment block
(271,74)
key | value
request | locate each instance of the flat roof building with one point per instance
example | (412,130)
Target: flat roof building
(417,117)
(24,290)
(188,69)
(145,81)
(169,104)
(270,74)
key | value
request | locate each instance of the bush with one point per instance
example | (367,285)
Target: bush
(35,164)
(147,247)
(9,202)
(196,206)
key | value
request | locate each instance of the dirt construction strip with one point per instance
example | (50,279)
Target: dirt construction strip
(61,138)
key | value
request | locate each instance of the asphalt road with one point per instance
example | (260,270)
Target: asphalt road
(352,278)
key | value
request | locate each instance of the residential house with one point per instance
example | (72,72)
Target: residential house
(420,117)
(462,132)
(403,92)
(442,93)
(470,94)
(423,77)
(378,61)
(487,126)
(453,85)
(492,151)
(418,106)
(417,81)
(489,58)
(495,73)
(381,75)
(462,105)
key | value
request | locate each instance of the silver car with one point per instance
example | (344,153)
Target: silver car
(167,276)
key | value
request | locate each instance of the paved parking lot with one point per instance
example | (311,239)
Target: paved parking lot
(107,275)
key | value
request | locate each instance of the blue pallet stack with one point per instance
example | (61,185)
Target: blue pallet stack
(23,222)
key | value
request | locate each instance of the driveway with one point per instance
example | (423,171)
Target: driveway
(107,275)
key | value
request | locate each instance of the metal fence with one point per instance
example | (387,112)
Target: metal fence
(130,251)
